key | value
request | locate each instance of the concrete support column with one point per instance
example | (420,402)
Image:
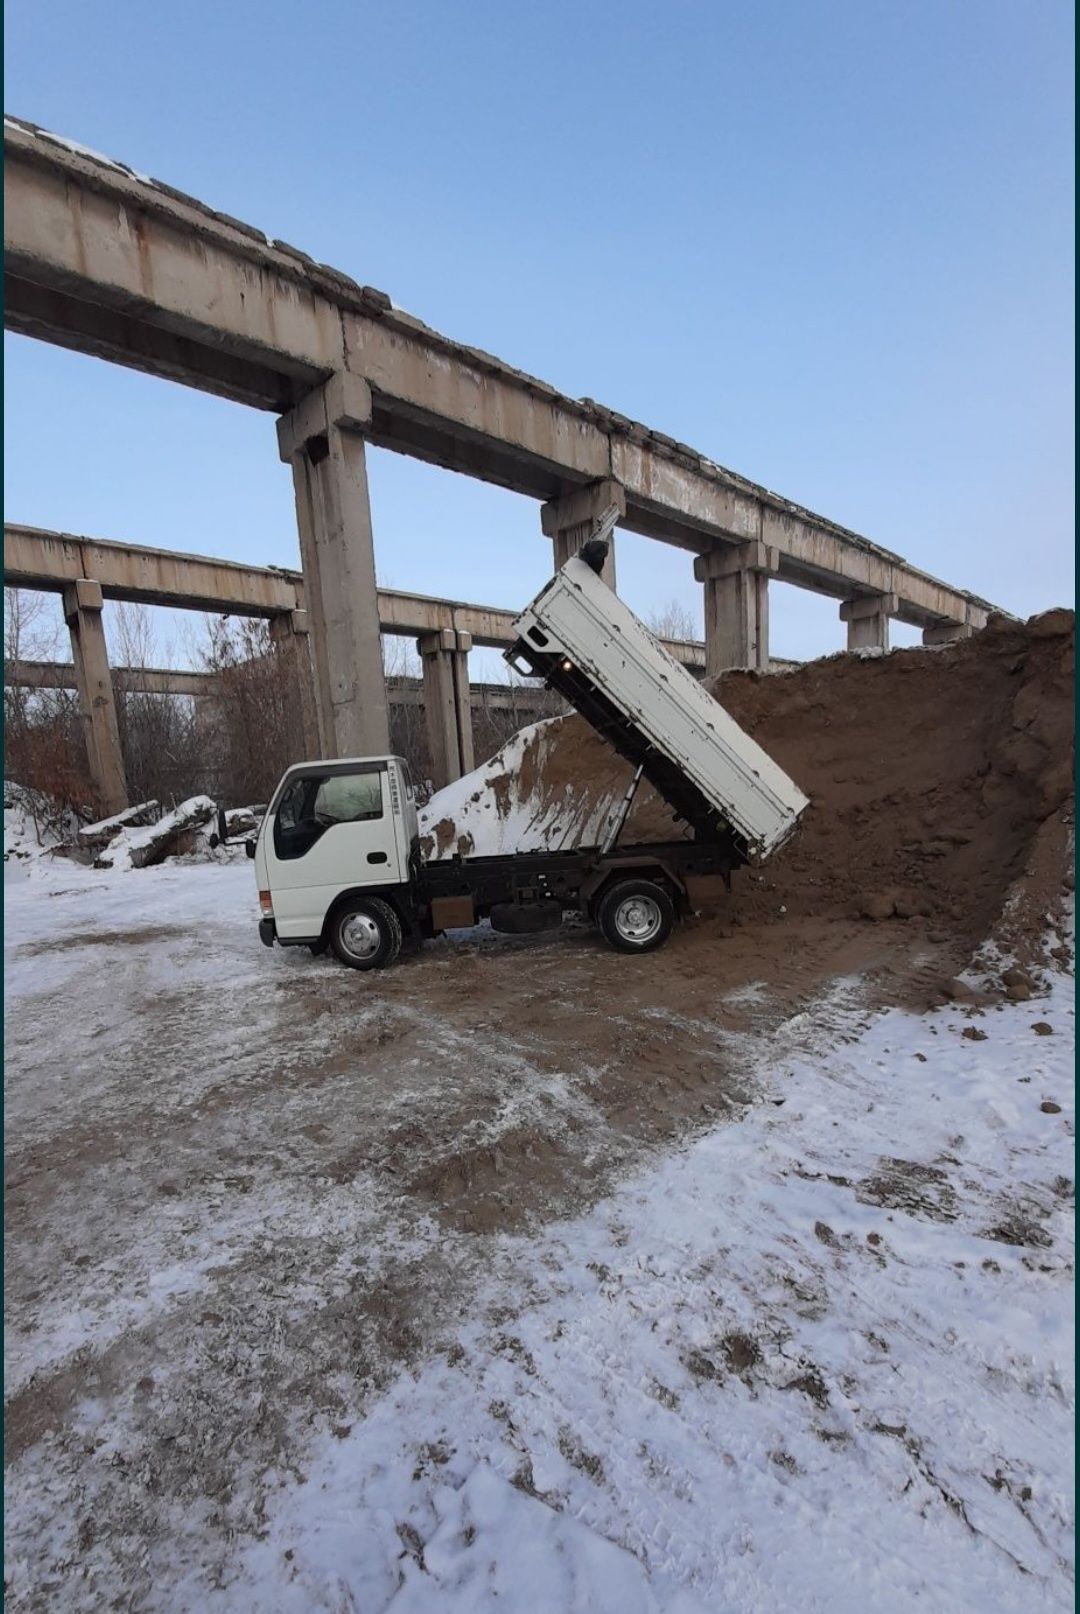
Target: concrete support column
(947,632)
(867,619)
(444,656)
(736,583)
(571,520)
(290,635)
(97,699)
(322,440)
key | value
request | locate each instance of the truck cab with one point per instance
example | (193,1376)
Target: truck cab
(337,834)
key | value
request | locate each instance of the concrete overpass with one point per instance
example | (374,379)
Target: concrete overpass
(38,558)
(109,262)
(523,700)
(88,571)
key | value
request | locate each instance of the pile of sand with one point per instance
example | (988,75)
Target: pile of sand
(940,782)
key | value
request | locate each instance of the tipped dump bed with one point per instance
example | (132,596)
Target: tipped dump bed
(580,637)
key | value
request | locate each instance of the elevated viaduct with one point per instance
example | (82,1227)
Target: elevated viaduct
(88,571)
(109,262)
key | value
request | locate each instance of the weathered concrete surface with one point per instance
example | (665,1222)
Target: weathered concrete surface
(444,657)
(321,440)
(737,606)
(110,263)
(83,603)
(868,621)
(571,521)
(205,686)
(36,558)
(290,635)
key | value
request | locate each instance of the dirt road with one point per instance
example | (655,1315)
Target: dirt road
(246,1189)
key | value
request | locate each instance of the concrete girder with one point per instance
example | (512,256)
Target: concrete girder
(206,686)
(102,260)
(38,559)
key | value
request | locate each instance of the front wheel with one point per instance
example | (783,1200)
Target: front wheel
(635,916)
(365,933)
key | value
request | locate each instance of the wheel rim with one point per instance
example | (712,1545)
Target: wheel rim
(360,936)
(638,919)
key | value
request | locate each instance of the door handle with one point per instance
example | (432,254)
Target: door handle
(376,857)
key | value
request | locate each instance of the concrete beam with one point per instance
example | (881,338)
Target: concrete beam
(38,559)
(127,680)
(105,261)
(206,686)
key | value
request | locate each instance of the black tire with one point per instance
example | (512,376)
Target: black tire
(635,916)
(365,933)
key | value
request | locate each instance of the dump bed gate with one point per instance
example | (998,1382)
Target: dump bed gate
(580,637)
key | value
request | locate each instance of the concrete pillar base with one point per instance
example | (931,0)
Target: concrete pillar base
(947,632)
(867,619)
(444,657)
(83,604)
(321,440)
(571,520)
(736,584)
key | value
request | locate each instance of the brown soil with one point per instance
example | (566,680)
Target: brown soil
(940,783)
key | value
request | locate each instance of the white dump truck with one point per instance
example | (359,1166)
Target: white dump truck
(338,858)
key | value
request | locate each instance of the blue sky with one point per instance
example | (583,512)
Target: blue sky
(829,244)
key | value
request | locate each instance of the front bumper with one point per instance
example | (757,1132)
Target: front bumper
(267,932)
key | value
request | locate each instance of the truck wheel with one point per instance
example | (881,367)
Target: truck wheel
(635,916)
(365,933)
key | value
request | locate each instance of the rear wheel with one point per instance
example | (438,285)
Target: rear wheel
(365,933)
(635,916)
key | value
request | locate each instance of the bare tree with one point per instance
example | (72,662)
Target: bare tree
(674,621)
(163,758)
(44,747)
(253,729)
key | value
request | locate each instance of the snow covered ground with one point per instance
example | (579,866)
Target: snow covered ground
(818,1356)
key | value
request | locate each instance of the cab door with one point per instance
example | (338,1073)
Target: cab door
(331,829)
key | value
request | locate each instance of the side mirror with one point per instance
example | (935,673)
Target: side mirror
(249,848)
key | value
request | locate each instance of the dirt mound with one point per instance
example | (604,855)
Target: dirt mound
(940,784)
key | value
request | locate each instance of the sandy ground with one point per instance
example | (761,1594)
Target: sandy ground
(495,1280)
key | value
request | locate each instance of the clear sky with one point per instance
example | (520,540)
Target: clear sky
(828,242)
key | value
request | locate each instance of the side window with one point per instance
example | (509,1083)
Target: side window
(311,805)
(291,806)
